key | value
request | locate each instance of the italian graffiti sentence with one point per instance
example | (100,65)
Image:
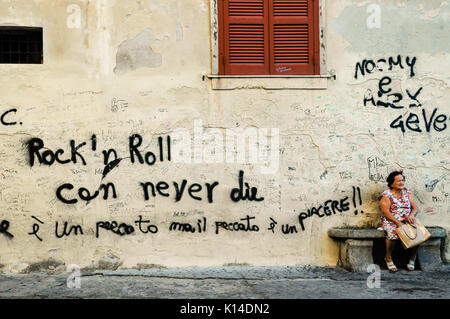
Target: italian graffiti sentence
(76,153)
(200,225)
(330,207)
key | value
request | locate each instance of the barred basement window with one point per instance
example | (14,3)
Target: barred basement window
(21,45)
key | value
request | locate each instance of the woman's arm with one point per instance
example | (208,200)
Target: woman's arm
(385,204)
(412,214)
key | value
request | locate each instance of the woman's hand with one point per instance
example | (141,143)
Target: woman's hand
(399,223)
(411,219)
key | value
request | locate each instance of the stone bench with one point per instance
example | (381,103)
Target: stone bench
(356,248)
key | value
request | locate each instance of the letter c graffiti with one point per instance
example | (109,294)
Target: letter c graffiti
(2,118)
(61,198)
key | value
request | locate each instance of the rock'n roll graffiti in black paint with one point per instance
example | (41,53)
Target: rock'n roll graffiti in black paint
(288,229)
(237,226)
(148,158)
(110,166)
(48,157)
(187,227)
(84,193)
(39,153)
(36,228)
(6,120)
(272,225)
(76,229)
(329,207)
(238,194)
(355,204)
(153,229)
(65,230)
(119,229)
(4,225)
(162,187)
(94,142)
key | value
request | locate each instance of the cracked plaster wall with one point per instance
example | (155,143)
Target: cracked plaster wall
(135,67)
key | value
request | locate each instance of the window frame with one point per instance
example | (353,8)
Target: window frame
(17,54)
(217,20)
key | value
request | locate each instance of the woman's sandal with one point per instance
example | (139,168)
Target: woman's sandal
(391,266)
(411,265)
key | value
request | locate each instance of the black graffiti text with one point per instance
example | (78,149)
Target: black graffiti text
(4,225)
(330,207)
(36,228)
(250,193)
(368,66)
(187,227)
(48,157)
(417,123)
(389,99)
(119,229)
(84,193)
(148,158)
(67,232)
(237,226)
(5,118)
(153,229)
(288,229)
(193,190)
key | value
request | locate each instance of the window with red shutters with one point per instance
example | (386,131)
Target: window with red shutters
(246,37)
(268,37)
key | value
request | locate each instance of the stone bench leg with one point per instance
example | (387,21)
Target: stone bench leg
(429,255)
(356,255)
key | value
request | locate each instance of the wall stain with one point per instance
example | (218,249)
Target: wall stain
(137,53)
(401,28)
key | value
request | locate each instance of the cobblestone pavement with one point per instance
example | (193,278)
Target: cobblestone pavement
(229,283)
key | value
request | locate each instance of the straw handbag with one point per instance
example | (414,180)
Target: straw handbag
(412,235)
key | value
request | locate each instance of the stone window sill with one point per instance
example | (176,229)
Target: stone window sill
(269,82)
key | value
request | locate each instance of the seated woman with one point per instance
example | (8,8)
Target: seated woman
(398,207)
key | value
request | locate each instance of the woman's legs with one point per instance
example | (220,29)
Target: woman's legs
(412,259)
(413,253)
(390,244)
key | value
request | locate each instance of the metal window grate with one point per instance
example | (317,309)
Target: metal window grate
(21,45)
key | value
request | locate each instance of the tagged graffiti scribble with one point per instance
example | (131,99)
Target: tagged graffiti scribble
(387,98)
(368,66)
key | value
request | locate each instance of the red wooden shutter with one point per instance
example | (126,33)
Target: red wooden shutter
(245,47)
(292,36)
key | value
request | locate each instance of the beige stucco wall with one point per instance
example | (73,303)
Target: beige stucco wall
(136,67)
